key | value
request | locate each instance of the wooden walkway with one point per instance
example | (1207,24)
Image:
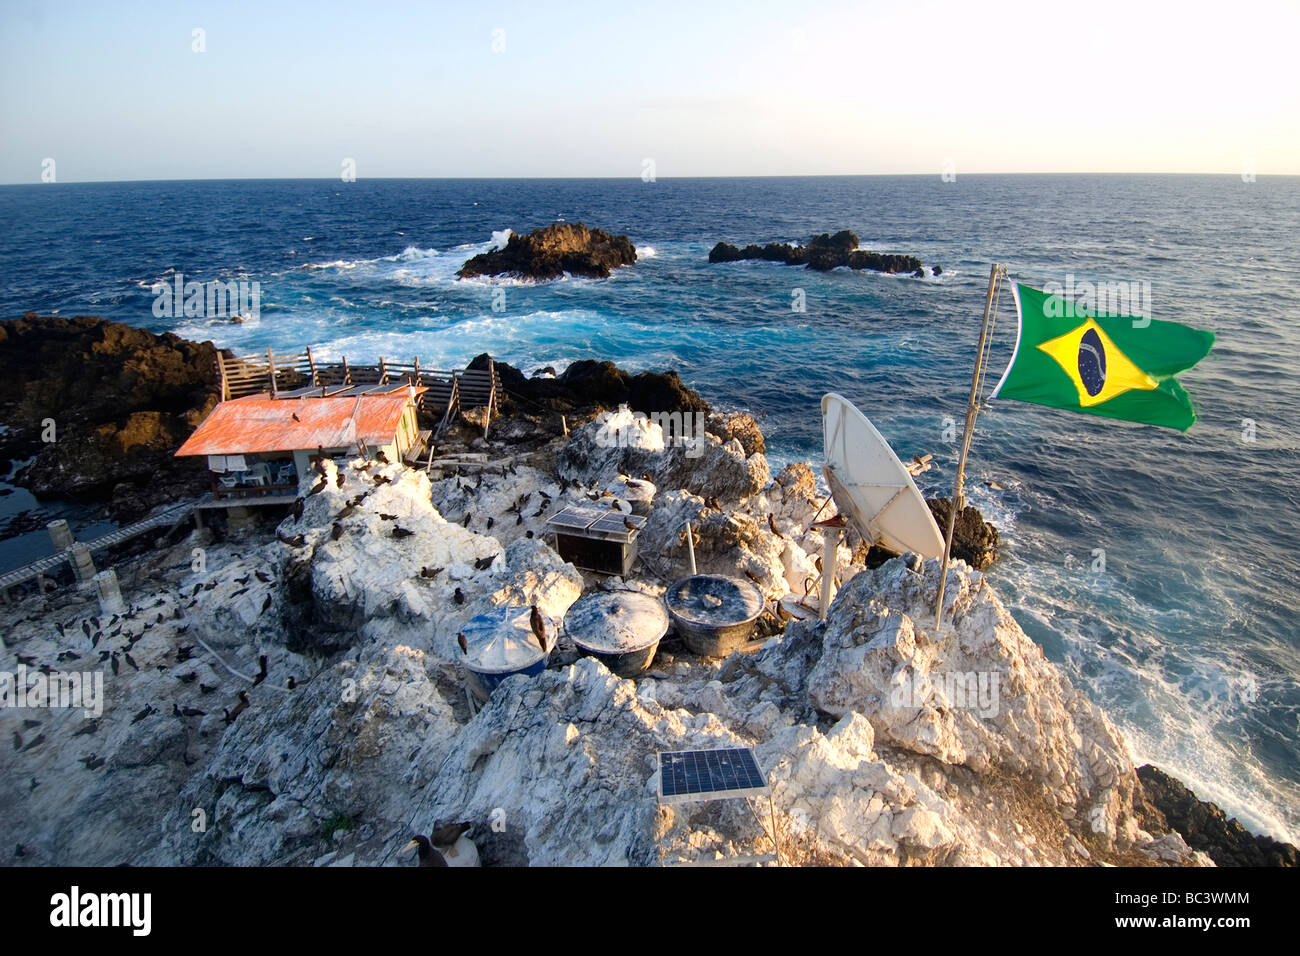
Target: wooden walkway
(169,517)
(300,376)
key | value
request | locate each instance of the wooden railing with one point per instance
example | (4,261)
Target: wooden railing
(285,376)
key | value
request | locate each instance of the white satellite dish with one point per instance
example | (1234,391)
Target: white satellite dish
(871,486)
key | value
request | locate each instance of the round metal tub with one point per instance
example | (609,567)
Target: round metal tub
(713,613)
(500,644)
(621,629)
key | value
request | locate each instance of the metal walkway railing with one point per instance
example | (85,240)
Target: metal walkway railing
(168,517)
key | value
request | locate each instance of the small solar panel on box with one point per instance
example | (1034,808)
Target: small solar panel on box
(572,517)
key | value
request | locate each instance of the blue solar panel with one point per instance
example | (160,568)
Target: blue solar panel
(710,774)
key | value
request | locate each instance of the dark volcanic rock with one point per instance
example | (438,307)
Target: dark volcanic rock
(974,540)
(589,386)
(822,253)
(550,252)
(1204,826)
(121,400)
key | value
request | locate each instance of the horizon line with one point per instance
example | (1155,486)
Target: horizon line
(633,178)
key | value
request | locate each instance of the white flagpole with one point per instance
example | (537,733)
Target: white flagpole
(972,411)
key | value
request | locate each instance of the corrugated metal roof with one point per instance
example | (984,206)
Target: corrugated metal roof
(261,424)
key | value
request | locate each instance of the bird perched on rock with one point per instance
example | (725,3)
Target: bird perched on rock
(482,564)
(261,670)
(445,846)
(459,596)
(400,532)
(294,416)
(382,479)
(338,482)
(147,711)
(538,624)
(317,488)
(336,531)
(771,523)
(383,459)
(464,646)
(427,572)
(238,709)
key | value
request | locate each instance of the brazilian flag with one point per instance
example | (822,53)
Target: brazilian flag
(1114,366)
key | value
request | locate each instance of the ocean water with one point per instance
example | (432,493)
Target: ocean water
(1187,636)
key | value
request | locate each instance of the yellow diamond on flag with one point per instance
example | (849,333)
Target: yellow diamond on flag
(1096,366)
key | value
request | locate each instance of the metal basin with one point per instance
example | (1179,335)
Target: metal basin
(621,629)
(501,644)
(713,613)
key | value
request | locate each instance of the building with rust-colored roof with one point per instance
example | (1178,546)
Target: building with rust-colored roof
(259,445)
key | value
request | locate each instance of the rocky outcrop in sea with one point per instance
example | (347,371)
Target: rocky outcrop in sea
(550,252)
(823,253)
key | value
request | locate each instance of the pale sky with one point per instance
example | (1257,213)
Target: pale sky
(117,92)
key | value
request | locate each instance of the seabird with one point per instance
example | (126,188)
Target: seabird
(459,596)
(538,624)
(147,711)
(385,517)
(427,572)
(771,523)
(482,564)
(294,416)
(317,488)
(263,576)
(261,670)
(427,854)
(336,531)
(460,639)
(339,480)
(399,532)
(297,516)
(238,709)
(187,678)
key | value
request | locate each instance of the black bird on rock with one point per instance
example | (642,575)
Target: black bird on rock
(427,572)
(464,646)
(482,564)
(459,596)
(238,709)
(434,848)
(317,488)
(399,532)
(298,504)
(261,670)
(538,624)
